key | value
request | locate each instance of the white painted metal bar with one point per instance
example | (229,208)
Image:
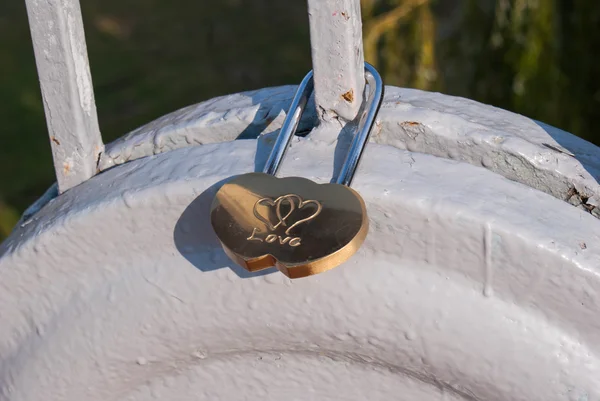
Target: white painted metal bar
(365,126)
(67,91)
(337,56)
(527,151)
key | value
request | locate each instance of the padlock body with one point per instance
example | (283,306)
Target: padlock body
(293,223)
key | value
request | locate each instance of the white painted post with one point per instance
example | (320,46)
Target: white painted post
(337,56)
(66,83)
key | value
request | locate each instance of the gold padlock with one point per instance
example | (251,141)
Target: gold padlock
(295,224)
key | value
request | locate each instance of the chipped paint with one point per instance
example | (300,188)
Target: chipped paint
(508,144)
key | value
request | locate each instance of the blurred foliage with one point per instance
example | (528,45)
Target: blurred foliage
(540,58)
(8,218)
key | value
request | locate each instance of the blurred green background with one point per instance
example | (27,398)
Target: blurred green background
(540,58)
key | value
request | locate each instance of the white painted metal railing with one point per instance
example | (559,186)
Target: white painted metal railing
(469,286)
(67,88)
(337,56)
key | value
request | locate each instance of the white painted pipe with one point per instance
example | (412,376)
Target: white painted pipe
(469,286)
(514,146)
(337,58)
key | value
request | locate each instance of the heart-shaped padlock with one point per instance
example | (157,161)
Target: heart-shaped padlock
(295,224)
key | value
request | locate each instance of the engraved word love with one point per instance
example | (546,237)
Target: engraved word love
(293,202)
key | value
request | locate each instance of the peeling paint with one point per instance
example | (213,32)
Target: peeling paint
(82,67)
(425,122)
(67,90)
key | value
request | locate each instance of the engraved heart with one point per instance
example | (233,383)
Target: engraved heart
(291,199)
(293,223)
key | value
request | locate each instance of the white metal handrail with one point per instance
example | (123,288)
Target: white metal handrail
(67,90)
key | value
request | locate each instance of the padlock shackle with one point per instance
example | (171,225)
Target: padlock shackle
(290,124)
(292,119)
(365,126)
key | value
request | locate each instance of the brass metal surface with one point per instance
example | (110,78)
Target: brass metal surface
(295,224)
